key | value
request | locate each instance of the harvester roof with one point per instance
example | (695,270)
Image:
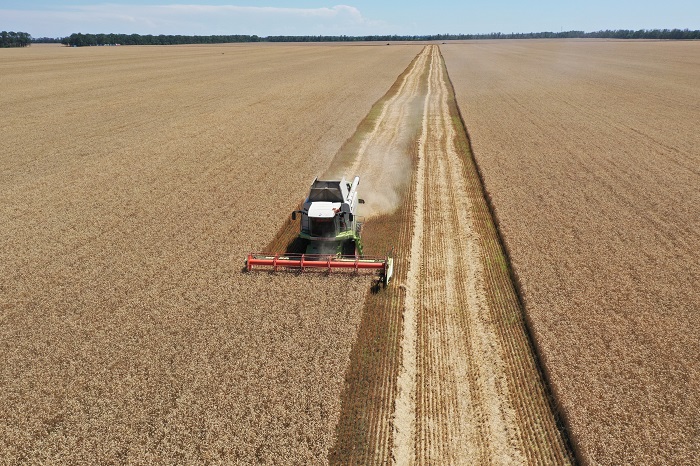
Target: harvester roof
(322,209)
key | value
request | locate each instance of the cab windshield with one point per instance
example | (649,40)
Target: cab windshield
(323,227)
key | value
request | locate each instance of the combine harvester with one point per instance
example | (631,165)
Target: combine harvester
(331,231)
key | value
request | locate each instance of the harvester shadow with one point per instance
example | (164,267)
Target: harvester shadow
(296,246)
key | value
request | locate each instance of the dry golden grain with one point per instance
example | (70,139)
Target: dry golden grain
(589,153)
(133,180)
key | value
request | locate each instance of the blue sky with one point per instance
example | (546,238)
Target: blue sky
(352,17)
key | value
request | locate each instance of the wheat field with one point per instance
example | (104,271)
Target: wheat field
(133,181)
(589,151)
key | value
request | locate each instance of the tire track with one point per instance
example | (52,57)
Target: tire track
(458,397)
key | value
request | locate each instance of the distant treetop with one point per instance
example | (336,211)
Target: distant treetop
(15,39)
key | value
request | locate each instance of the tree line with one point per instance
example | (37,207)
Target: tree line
(81,40)
(14,39)
(607,34)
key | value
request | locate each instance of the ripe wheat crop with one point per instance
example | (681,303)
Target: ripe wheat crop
(589,154)
(133,181)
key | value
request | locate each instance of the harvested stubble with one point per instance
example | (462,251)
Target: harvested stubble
(386,138)
(589,153)
(132,183)
(442,378)
(468,388)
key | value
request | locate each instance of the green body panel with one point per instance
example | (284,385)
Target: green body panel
(333,246)
(343,236)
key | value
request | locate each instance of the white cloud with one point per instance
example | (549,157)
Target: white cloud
(193,19)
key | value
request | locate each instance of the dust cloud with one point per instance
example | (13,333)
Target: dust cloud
(381,151)
(385,174)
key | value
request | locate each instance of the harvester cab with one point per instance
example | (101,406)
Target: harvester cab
(331,229)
